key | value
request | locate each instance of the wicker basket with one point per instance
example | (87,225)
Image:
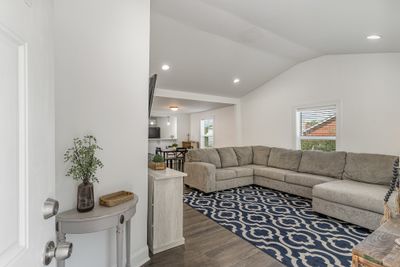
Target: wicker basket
(116,198)
(158,166)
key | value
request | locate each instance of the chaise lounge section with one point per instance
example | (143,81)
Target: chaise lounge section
(358,197)
(347,186)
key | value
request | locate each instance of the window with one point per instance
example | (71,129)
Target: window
(206,133)
(316,128)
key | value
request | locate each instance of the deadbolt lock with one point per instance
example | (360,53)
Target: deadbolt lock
(50,208)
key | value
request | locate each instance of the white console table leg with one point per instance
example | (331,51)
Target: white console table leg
(120,244)
(128,243)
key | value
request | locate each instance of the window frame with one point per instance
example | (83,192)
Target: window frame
(201,132)
(297,128)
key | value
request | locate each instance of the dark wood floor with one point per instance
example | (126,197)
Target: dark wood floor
(209,244)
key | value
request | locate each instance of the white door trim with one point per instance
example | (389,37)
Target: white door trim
(21,245)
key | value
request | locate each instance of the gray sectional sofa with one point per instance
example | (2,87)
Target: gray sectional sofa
(347,186)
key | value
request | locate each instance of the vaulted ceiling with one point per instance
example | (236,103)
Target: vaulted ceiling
(209,43)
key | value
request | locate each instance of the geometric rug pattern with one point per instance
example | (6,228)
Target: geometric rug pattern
(280,224)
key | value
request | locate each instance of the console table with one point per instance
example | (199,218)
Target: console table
(379,249)
(99,219)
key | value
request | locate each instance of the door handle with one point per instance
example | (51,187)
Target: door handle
(60,252)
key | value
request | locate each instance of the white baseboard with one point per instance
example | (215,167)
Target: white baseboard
(176,243)
(140,257)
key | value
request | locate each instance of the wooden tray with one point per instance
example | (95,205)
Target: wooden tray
(116,198)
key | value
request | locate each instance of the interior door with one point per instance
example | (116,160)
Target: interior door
(27,130)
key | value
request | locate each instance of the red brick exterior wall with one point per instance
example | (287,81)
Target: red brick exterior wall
(326,129)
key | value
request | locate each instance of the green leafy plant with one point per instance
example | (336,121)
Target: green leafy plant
(321,145)
(84,162)
(174,145)
(158,158)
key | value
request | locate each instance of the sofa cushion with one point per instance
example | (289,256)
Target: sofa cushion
(228,157)
(272,173)
(253,166)
(323,163)
(208,155)
(244,155)
(369,168)
(224,174)
(261,155)
(354,194)
(284,158)
(306,179)
(241,171)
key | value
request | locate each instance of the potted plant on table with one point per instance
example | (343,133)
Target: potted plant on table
(84,165)
(157,163)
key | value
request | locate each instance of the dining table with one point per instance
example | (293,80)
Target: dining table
(174,157)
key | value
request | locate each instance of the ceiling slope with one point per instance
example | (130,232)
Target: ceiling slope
(208,43)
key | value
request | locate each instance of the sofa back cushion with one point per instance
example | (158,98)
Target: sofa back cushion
(323,163)
(261,155)
(369,168)
(284,158)
(244,155)
(228,157)
(208,155)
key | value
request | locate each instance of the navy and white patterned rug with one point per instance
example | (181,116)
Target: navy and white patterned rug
(280,224)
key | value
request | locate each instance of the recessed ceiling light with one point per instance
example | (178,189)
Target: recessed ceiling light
(165,67)
(173,108)
(236,80)
(373,37)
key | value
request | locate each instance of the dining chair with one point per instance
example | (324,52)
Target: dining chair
(180,158)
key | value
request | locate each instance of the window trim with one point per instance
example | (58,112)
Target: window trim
(317,138)
(296,127)
(200,135)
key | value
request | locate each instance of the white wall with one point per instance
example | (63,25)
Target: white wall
(102,65)
(183,121)
(367,86)
(224,126)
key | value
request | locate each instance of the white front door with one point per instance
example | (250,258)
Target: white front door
(27,130)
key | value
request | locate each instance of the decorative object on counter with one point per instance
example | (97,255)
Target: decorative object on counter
(381,248)
(116,198)
(157,163)
(175,145)
(84,165)
(394,185)
(398,191)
